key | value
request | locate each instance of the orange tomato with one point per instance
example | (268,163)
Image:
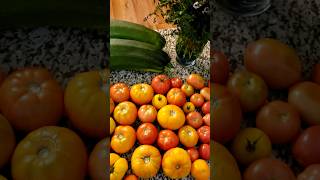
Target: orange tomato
(125,113)
(141,93)
(147,113)
(188,107)
(123,139)
(112,125)
(197,99)
(131,177)
(111,106)
(118,166)
(31,98)
(52,153)
(196,81)
(97,161)
(171,117)
(200,170)
(187,89)
(176,163)
(159,101)
(176,96)
(7,139)
(205,92)
(146,161)
(188,136)
(119,92)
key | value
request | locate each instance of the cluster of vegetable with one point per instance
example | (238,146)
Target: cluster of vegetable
(169,121)
(294,121)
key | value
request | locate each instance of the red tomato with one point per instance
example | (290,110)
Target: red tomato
(204,134)
(312,172)
(206,119)
(167,139)
(147,113)
(119,92)
(197,99)
(176,96)
(193,153)
(205,92)
(307,147)
(161,84)
(176,82)
(147,133)
(196,81)
(316,73)
(206,107)
(219,68)
(204,151)
(194,119)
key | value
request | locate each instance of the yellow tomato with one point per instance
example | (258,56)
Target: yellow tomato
(200,170)
(187,89)
(112,125)
(176,163)
(118,167)
(141,93)
(188,107)
(123,139)
(159,100)
(188,136)
(171,117)
(125,113)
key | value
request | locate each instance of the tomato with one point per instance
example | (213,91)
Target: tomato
(147,133)
(123,139)
(161,84)
(316,73)
(311,172)
(176,96)
(112,125)
(7,139)
(268,168)
(118,167)
(176,82)
(274,61)
(193,153)
(86,105)
(119,92)
(251,144)
(226,113)
(204,134)
(176,163)
(206,119)
(188,136)
(196,81)
(206,107)
(187,89)
(125,113)
(111,106)
(307,147)
(250,89)
(219,68)
(146,161)
(171,117)
(188,107)
(167,139)
(31,98)
(197,99)
(205,92)
(200,169)
(50,152)
(305,97)
(131,177)
(159,100)
(194,119)
(279,120)
(97,161)
(147,113)
(204,151)
(141,93)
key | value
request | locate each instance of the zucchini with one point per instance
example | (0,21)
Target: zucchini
(128,30)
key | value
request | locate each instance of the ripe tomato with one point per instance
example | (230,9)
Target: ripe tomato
(131,177)
(159,101)
(204,151)
(188,136)
(176,96)
(188,107)
(118,166)
(196,81)
(274,61)
(226,113)
(123,139)
(50,152)
(197,99)
(206,107)
(250,89)
(119,92)
(204,134)
(305,97)
(176,82)
(316,73)
(194,119)
(279,120)
(125,113)
(251,144)
(200,169)
(187,89)
(193,153)
(261,169)
(206,119)
(167,139)
(205,92)
(219,68)
(7,139)
(311,172)
(146,161)
(147,133)
(171,117)
(97,161)
(147,113)
(86,105)
(176,163)
(161,84)
(112,125)
(307,147)
(111,106)
(31,98)
(141,93)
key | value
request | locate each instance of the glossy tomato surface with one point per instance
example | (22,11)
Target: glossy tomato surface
(161,84)
(125,113)
(219,67)
(176,82)
(175,96)
(147,113)
(188,136)
(147,133)
(123,139)
(196,81)
(141,93)
(119,92)
(167,139)
(97,161)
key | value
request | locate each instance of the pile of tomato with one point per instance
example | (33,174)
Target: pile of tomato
(173,131)
(294,121)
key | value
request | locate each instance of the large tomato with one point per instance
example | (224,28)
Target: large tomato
(219,67)
(307,147)
(279,120)
(125,113)
(123,139)
(316,73)
(31,98)
(200,169)
(305,97)
(175,96)
(86,105)
(309,173)
(161,84)
(194,119)
(7,139)
(196,81)
(171,117)
(227,114)
(204,134)
(188,136)
(167,139)
(97,161)
(176,163)
(146,161)
(50,152)
(147,113)
(274,61)
(141,93)
(147,133)
(118,167)
(119,92)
